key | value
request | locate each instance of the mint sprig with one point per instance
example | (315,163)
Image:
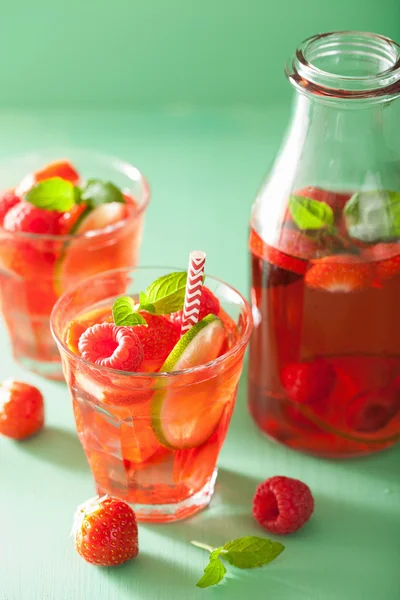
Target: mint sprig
(164,296)
(59,194)
(96,192)
(245,553)
(310,214)
(53,194)
(373,215)
(125,314)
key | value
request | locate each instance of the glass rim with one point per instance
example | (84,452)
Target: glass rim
(157,374)
(116,162)
(305,75)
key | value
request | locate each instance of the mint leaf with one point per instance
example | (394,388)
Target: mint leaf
(165,295)
(245,553)
(373,215)
(125,314)
(249,552)
(96,192)
(52,194)
(310,214)
(144,303)
(213,574)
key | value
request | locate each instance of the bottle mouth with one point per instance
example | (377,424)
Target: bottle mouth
(347,64)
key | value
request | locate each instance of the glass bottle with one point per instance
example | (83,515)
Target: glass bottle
(324,372)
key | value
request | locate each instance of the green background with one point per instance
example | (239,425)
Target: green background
(194,94)
(155,52)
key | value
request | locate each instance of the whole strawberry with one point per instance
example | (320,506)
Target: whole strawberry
(105,531)
(21,409)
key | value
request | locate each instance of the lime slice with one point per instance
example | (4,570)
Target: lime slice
(100,217)
(75,263)
(186,417)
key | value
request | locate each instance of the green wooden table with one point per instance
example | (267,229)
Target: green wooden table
(351,548)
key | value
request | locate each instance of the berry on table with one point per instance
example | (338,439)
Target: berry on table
(105,531)
(282,505)
(110,346)
(21,409)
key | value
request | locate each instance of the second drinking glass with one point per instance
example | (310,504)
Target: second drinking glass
(43,253)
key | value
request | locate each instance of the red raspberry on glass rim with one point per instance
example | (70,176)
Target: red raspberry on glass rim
(21,409)
(105,531)
(282,505)
(110,346)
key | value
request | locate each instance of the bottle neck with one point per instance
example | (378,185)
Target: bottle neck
(349,65)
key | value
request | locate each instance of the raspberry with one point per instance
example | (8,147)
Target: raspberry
(209,304)
(110,346)
(371,411)
(282,505)
(27,217)
(158,338)
(7,201)
(308,382)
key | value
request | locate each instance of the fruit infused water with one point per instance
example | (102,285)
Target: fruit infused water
(152,403)
(324,368)
(326,325)
(60,224)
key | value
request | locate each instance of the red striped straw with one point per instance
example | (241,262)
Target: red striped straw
(194,285)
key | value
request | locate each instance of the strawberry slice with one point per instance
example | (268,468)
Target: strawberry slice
(387,257)
(295,250)
(59,168)
(158,339)
(308,382)
(340,273)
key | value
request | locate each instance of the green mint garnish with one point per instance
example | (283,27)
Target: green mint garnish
(310,214)
(53,194)
(125,313)
(245,553)
(373,215)
(58,194)
(165,295)
(214,573)
(96,192)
